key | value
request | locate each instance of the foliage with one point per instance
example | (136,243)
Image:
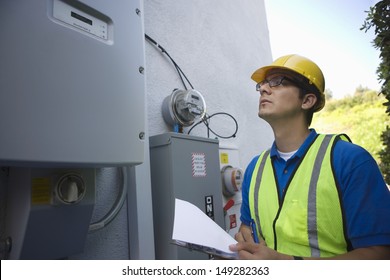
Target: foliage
(379,18)
(361,116)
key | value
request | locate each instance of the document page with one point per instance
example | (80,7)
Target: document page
(193,229)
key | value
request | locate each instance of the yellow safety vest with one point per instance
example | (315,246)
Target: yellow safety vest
(308,220)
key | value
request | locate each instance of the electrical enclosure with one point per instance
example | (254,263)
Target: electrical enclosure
(40,224)
(72,89)
(184,167)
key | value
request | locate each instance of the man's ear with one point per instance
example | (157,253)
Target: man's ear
(309,100)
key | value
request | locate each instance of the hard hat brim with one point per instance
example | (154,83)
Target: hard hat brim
(260,74)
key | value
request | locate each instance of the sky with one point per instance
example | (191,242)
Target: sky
(328,32)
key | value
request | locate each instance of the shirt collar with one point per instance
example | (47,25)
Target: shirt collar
(302,149)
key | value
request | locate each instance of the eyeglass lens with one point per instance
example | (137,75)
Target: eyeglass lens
(271,82)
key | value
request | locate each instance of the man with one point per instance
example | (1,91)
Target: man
(310,196)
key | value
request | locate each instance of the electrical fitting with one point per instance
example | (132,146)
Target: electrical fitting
(183,107)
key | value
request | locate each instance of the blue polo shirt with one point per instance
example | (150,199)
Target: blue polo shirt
(365,198)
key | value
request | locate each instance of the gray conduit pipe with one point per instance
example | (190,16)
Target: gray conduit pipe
(116,207)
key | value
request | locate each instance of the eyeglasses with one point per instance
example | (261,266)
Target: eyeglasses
(274,82)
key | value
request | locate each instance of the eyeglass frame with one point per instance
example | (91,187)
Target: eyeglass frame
(271,82)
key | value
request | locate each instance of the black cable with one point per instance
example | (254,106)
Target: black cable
(178,69)
(206,122)
(206,119)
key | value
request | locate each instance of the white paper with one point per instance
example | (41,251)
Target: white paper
(194,229)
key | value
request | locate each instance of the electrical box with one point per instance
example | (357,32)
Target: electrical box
(49,211)
(184,167)
(232,177)
(72,88)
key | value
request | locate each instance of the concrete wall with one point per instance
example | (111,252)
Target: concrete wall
(218,44)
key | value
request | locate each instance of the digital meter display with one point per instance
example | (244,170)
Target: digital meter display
(80,17)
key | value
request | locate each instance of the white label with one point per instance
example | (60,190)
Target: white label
(198,165)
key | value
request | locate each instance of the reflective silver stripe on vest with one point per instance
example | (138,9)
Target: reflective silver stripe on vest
(312,201)
(257,188)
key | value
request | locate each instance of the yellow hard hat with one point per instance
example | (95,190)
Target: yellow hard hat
(301,66)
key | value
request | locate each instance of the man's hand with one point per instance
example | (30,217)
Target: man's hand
(249,250)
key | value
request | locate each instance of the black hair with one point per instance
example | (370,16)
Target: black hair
(305,87)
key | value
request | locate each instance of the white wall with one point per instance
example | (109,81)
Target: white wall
(218,44)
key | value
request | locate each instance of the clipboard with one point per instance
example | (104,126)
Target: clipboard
(194,230)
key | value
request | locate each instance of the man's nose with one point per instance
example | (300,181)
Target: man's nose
(265,89)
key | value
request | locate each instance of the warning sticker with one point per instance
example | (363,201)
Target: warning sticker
(233,221)
(40,190)
(198,165)
(224,158)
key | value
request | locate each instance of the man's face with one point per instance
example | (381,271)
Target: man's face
(279,97)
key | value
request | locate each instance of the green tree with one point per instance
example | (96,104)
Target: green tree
(379,18)
(361,116)
(328,94)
